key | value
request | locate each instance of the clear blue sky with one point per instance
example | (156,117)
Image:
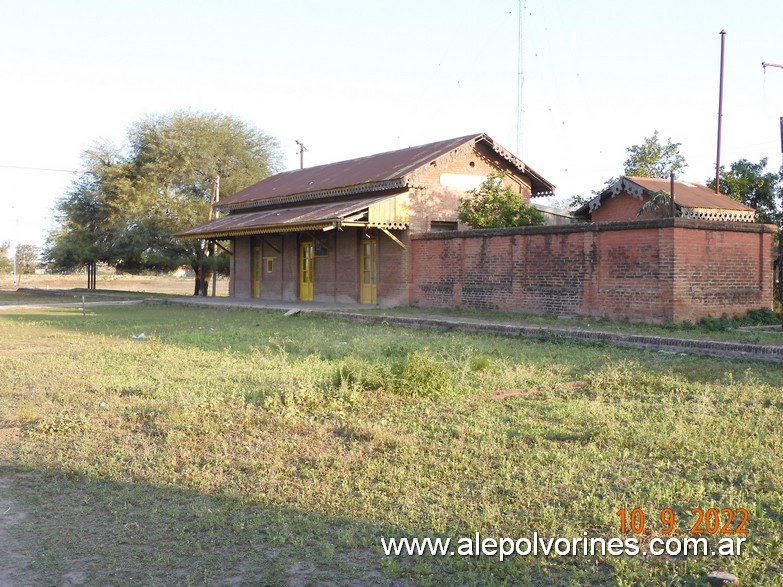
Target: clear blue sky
(350,78)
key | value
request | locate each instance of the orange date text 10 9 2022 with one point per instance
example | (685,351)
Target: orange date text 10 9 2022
(701,521)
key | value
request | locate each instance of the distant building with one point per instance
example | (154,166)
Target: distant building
(554,216)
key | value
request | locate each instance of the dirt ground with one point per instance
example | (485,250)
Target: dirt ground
(14,562)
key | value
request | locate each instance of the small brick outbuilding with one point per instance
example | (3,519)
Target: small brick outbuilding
(622,201)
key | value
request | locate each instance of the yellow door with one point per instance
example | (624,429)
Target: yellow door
(306,258)
(367,292)
(255,270)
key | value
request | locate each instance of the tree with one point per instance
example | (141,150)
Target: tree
(746,182)
(6,263)
(127,203)
(652,159)
(492,205)
(27,258)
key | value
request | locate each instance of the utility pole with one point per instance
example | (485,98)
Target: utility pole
(720,110)
(765,65)
(302,149)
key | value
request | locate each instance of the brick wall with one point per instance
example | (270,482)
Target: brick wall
(651,271)
(625,207)
(430,200)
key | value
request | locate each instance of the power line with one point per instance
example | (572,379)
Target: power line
(38,168)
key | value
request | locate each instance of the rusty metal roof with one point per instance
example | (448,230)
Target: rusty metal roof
(312,217)
(690,195)
(374,173)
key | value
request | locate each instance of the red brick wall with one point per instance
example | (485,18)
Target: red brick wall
(651,271)
(624,207)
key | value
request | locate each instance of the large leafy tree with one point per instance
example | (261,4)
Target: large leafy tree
(493,205)
(651,158)
(747,182)
(127,203)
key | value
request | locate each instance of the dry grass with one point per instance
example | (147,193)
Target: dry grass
(165,284)
(239,447)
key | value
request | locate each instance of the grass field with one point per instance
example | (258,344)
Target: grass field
(235,447)
(165,284)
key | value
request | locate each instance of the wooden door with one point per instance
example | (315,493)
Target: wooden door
(255,272)
(367,289)
(306,273)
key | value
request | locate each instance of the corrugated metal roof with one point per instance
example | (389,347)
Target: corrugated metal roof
(280,219)
(382,171)
(690,195)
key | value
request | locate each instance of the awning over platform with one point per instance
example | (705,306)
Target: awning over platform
(294,219)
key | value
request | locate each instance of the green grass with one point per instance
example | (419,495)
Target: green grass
(242,447)
(722,328)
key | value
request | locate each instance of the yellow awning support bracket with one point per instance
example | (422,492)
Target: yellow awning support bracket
(394,238)
(217,244)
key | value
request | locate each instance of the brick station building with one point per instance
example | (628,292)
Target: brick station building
(383,230)
(341,232)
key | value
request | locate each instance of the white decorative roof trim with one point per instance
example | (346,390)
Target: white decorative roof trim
(618,187)
(594,204)
(623,185)
(718,215)
(509,157)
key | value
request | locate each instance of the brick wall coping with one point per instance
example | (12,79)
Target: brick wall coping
(750,351)
(687,223)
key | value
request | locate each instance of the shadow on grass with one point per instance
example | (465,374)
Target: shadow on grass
(81,530)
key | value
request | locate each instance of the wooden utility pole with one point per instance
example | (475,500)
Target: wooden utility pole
(302,149)
(765,65)
(720,110)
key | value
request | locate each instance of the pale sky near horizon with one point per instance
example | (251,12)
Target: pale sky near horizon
(351,78)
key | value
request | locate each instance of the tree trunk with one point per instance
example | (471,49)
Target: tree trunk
(197,284)
(198,269)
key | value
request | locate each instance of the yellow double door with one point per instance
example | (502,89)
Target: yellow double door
(367,254)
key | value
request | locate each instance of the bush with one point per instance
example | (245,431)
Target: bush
(421,375)
(364,374)
(493,206)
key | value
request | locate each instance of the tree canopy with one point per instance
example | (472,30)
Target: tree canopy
(127,203)
(653,159)
(747,182)
(492,205)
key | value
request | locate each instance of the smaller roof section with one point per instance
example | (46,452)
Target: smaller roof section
(693,200)
(310,217)
(375,173)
